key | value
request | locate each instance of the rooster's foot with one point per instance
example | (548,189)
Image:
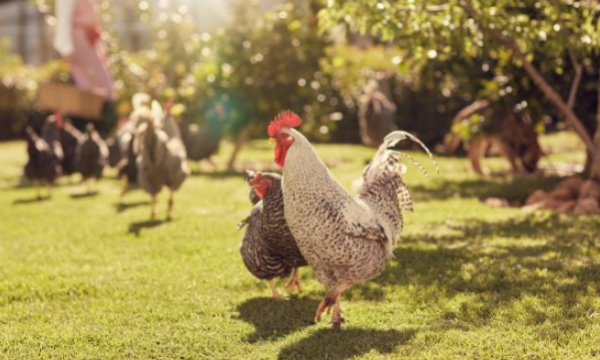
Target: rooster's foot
(325,304)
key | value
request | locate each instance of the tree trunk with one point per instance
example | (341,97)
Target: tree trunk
(22,28)
(595,158)
(240,140)
(535,75)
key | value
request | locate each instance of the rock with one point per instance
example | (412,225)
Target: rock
(587,206)
(590,190)
(496,202)
(563,194)
(567,206)
(536,197)
(551,203)
(570,185)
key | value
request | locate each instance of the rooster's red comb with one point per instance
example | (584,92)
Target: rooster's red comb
(286,119)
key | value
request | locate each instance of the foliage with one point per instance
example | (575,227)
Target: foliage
(85,277)
(443,35)
(18,89)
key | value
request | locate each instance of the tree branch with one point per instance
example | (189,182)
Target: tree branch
(576,80)
(534,74)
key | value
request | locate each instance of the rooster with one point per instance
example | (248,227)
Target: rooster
(162,156)
(92,155)
(346,240)
(268,248)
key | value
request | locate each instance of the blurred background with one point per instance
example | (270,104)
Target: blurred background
(413,66)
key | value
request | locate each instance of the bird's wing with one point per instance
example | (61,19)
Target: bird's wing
(360,222)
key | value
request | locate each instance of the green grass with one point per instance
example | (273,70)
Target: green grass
(85,278)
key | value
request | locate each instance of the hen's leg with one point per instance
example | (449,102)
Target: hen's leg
(276,295)
(153,208)
(170,205)
(294,282)
(212,163)
(38,194)
(124,187)
(330,300)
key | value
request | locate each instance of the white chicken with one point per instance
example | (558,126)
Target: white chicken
(346,239)
(161,159)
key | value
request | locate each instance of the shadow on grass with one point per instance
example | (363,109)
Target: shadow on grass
(120,207)
(346,343)
(275,319)
(137,227)
(542,261)
(512,188)
(33,200)
(83,195)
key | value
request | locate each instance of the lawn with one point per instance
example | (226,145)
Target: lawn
(89,278)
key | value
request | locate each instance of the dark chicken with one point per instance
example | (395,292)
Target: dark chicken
(92,155)
(202,142)
(44,156)
(268,247)
(69,141)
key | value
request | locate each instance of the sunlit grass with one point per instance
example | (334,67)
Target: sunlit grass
(85,278)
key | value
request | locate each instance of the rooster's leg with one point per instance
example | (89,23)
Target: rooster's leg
(336,317)
(276,295)
(294,282)
(330,300)
(170,205)
(50,185)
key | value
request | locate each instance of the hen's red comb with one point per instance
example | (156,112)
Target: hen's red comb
(59,119)
(286,119)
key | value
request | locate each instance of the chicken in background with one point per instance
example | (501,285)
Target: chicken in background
(202,142)
(69,141)
(92,157)
(346,240)
(122,150)
(161,160)
(268,247)
(44,156)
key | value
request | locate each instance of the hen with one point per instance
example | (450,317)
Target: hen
(268,248)
(122,151)
(92,155)
(203,142)
(347,240)
(44,155)
(69,141)
(161,159)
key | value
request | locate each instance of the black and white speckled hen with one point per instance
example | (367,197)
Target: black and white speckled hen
(346,240)
(268,247)
(92,155)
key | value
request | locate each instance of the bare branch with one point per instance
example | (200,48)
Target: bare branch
(576,80)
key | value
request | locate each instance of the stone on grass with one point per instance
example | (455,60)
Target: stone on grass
(587,206)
